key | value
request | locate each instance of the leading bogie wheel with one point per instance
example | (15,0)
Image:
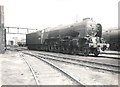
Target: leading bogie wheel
(96,53)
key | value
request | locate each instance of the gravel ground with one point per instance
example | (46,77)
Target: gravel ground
(46,74)
(88,76)
(14,70)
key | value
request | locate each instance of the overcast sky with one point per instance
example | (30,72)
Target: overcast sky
(49,13)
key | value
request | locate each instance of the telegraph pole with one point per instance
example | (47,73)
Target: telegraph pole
(2,31)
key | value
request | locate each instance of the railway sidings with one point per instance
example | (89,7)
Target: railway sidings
(49,68)
(73,65)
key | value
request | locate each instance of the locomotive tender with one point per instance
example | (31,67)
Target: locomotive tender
(81,37)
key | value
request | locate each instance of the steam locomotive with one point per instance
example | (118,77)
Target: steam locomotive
(112,36)
(81,37)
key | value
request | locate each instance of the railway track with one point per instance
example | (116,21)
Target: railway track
(76,71)
(108,54)
(66,66)
(111,53)
(101,62)
(64,73)
(33,73)
(96,63)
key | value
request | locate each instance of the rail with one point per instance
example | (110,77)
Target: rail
(74,79)
(33,73)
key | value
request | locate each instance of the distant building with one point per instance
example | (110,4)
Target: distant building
(13,39)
